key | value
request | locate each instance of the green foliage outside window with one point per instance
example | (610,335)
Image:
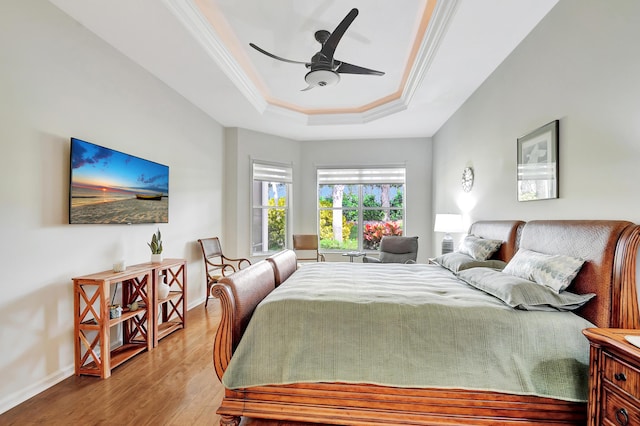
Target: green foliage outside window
(348,200)
(378,220)
(398,202)
(351,200)
(277,225)
(326,229)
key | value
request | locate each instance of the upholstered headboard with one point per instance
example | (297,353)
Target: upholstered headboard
(610,249)
(508,231)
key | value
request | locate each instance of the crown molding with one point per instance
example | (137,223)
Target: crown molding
(201,29)
(383,110)
(442,14)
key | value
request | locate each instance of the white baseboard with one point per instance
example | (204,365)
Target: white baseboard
(17,398)
(34,389)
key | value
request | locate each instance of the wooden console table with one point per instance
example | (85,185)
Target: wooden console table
(169,313)
(142,328)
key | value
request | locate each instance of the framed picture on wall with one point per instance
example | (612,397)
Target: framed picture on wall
(538,163)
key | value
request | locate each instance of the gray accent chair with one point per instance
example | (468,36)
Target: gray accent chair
(395,249)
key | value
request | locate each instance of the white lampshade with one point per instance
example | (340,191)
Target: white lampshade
(448,223)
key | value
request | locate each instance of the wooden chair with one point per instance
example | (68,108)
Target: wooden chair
(306,247)
(217,265)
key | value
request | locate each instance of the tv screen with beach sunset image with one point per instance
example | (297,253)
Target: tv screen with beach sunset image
(108,186)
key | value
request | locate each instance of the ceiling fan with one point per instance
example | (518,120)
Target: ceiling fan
(324,69)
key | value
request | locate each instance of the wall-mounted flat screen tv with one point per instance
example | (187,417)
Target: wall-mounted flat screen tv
(109,186)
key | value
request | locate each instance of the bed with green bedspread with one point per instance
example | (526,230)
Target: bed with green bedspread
(412,326)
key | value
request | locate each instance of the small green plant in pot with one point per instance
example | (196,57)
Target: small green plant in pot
(156,247)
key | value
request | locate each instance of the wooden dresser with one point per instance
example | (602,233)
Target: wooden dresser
(614,378)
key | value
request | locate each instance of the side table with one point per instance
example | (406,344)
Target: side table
(614,377)
(353,254)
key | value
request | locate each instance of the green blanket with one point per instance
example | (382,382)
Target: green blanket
(407,326)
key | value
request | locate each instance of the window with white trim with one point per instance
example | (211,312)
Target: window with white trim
(270,197)
(358,206)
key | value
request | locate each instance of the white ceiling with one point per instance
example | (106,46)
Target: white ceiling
(435,54)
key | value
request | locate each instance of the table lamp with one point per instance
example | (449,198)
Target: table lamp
(448,223)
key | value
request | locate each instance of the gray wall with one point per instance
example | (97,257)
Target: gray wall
(580,65)
(58,80)
(241,147)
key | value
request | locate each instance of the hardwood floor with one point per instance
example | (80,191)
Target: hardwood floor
(174,384)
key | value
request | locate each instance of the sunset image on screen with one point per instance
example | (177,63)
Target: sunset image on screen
(108,186)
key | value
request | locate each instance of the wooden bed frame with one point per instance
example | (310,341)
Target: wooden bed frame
(610,248)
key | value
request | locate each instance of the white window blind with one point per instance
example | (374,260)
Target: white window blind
(383,175)
(272,173)
(270,195)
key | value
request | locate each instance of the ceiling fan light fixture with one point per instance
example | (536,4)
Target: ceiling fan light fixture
(322,78)
(325,70)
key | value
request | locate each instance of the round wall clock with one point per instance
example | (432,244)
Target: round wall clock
(467,179)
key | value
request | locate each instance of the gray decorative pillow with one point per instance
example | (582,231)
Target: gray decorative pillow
(479,248)
(522,294)
(459,262)
(554,271)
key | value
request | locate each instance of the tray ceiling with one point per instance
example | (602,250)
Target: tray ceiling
(435,54)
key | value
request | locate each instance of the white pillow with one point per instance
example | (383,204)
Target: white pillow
(479,248)
(522,294)
(456,262)
(554,271)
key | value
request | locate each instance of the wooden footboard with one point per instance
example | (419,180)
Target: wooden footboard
(613,269)
(239,295)
(284,264)
(349,404)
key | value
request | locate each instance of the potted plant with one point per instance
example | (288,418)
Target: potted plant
(156,247)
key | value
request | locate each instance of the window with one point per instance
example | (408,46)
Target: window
(270,194)
(357,207)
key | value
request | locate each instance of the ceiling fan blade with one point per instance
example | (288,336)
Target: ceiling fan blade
(329,47)
(346,68)
(277,57)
